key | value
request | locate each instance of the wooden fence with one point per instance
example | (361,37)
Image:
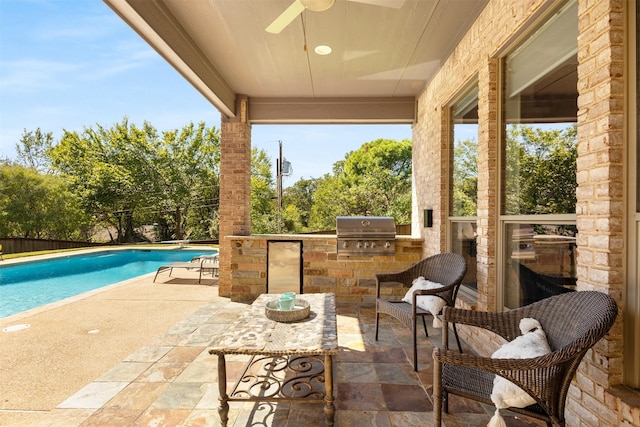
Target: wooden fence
(14,245)
(19,245)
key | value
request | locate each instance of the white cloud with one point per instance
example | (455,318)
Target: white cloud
(124,57)
(31,75)
(93,25)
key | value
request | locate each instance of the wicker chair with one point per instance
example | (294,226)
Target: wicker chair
(573,322)
(448,269)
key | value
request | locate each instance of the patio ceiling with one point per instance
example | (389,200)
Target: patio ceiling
(384,52)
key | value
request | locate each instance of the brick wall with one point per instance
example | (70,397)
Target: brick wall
(351,278)
(472,60)
(600,206)
(592,399)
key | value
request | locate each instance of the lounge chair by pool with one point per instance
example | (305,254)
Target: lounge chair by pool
(188,265)
(211,263)
(208,262)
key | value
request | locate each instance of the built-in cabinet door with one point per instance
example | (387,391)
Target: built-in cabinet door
(284,266)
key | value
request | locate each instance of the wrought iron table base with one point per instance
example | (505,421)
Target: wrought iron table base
(283,378)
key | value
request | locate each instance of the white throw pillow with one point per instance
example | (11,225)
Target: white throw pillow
(532,343)
(430,303)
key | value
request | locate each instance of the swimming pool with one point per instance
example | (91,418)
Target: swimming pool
(31,284)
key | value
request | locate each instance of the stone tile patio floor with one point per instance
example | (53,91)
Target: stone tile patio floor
(173,381)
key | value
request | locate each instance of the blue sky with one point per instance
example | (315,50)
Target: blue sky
(70,64)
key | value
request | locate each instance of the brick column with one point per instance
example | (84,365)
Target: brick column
(600,206)
(235,191)
(488,177)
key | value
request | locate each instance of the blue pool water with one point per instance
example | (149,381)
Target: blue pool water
(31,284)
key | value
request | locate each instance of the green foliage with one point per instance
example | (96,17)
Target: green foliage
(186,163)
(540,172)
(107,168)
(328,202)
(386,155)
(39,206)
(373,180)
(465,178)
(298,201)
(264,209)
(32,150)
(127,176)
(541,167)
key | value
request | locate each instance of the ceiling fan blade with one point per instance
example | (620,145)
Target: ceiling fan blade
(285,18)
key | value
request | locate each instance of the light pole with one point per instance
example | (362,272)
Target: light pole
(279,185)
(283,167)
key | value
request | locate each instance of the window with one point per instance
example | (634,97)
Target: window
(540,261)
(465,155)
(465,182)
(632,291)
(539,162)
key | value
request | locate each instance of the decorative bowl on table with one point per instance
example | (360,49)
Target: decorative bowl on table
(300,311)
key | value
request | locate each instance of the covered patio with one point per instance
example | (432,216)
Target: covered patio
(383,53)
(418,62)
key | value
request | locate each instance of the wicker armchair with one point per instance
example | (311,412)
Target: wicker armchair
(573,322)
(448,269)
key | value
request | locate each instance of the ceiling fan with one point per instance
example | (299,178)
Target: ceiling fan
(298,6)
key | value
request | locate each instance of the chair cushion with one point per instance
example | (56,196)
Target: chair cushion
(430,303)
(532,343)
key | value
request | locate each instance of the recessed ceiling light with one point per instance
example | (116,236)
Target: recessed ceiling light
(322,50)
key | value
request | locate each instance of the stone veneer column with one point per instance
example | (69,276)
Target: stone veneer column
(235,191)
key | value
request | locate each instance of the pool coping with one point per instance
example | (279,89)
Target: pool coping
(46,257)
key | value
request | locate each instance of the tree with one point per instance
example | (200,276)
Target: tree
(264,209)
(465,178)
(34,205)
(541,170)
(328,202)
(128,176)
(33,148)
(373,180)
(297,203)
(109,170)
(186,164)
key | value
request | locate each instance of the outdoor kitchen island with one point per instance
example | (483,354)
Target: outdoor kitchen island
(290,361)
(350,277)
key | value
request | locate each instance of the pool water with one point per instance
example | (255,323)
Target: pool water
(31,284)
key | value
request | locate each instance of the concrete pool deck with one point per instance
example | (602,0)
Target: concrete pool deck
(70,343)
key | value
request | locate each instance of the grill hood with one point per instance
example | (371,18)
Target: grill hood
(365,235)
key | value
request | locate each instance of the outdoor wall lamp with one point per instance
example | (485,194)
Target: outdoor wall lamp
(428,217)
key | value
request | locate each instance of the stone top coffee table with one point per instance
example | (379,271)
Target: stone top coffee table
(291,361)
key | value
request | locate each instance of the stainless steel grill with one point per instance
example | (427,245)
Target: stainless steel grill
(366,235)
